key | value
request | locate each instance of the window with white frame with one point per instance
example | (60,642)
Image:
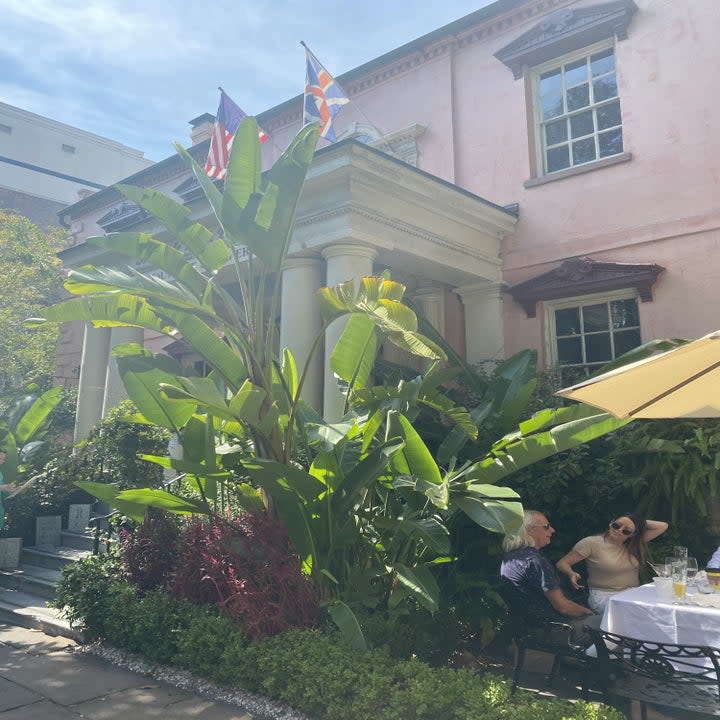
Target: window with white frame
(577,109)
(586,333)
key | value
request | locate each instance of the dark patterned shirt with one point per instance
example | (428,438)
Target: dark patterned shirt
(526,576)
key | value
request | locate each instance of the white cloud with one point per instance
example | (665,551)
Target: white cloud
(138,70)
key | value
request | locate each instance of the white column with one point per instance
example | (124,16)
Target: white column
(114,388)
(91,388)
(431,301)
(301,322)
(344,262)
(484,337)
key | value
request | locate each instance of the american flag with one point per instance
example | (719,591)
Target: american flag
(323,97)
(228,119)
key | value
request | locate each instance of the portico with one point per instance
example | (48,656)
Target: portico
(361,212)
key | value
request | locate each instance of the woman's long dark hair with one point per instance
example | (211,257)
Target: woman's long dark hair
(635,544)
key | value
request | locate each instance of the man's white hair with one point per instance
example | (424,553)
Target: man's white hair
(521,539)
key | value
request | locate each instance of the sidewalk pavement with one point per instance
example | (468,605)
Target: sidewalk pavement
(42,678)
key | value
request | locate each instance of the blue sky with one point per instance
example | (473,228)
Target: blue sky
(137,70)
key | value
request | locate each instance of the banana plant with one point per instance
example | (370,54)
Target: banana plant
(363,500)
(24,426)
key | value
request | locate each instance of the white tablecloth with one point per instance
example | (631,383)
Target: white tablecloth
(638,613)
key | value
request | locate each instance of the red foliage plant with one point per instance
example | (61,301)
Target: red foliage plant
(248,567)
(149,554)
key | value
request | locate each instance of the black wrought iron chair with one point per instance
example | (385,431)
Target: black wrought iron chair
(675,676)
(554,638)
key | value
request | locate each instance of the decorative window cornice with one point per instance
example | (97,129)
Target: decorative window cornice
(189,189)
(566,31)
(122,216)
(583,276)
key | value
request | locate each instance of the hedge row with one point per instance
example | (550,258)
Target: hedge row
(309,669)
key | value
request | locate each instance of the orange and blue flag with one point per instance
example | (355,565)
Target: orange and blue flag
(323,97)
(229,116)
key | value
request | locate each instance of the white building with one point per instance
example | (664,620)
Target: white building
(46,165)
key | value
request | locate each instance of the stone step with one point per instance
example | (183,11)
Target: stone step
(29,611)
(49,557)
(80,541)
(31,579)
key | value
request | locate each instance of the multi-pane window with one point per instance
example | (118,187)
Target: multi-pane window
(579,111)
(589,335)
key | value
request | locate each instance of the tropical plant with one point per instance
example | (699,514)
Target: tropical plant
(364,500)
(24,427)
(675,464)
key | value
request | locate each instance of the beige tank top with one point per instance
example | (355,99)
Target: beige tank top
(609,566)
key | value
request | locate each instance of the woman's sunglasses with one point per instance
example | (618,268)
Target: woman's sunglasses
(623,530)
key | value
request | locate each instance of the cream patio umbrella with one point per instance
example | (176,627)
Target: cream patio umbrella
(681,383)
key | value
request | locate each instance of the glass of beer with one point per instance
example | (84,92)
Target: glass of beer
(679,581)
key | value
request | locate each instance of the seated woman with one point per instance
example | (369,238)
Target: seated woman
(613,559)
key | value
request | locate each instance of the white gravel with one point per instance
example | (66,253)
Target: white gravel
(258,706)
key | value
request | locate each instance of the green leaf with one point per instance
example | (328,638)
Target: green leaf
(109,493)
(211,252)
(142,380)
(147,249)
(201,337)
(164,501)
(35,419)
(494,515)
(208,186)
(421,584)
(414,458)
(244,171)
(89,280)
(275,477)
(290,373)
(346,621)
(430,530)
(326,468)
(120,310)
(363,475)
(353,357)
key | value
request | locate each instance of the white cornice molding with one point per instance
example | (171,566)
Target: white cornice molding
(405,228)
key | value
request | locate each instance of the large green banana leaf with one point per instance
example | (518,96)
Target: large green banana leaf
(34,420)
(211,252)
(145,248)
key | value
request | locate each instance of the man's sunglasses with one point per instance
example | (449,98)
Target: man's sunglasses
(623,530)
(544,526)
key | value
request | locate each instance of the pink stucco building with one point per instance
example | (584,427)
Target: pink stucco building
(540,173)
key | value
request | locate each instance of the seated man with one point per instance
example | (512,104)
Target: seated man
(531,584)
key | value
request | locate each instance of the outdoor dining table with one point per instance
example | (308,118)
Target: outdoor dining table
(640,614)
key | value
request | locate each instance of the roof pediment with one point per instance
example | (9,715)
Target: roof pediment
(583,276)
(565,31)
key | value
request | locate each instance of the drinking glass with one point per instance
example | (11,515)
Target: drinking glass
(680,552)
(679,581)
(691,570)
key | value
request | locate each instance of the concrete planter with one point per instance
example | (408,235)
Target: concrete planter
(10,549)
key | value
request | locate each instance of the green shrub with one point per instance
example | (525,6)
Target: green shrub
(211,646)
(317,673)
(311,670)
(86,590)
